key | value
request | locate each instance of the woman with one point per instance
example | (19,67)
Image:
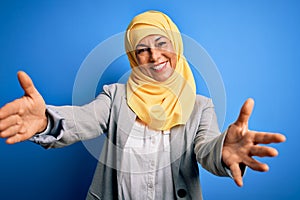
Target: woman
(157,128)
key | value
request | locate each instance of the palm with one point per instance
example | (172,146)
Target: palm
(241,144)
(24,117)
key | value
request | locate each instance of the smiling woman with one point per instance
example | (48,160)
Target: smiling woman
(156,57)
(161,88)
(157,128)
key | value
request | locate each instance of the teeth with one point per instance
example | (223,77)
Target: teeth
(158,67)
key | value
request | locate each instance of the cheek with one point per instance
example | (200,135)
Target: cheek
(173,59)
(141,60)
(138,59)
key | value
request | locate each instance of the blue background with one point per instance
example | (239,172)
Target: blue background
(255,46)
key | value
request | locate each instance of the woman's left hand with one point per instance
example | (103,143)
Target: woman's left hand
(241,144)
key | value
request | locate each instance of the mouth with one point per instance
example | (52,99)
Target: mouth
(160,66)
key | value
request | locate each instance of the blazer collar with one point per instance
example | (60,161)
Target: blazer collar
(125,123)
(177,148)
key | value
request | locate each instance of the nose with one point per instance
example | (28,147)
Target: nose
(155,54)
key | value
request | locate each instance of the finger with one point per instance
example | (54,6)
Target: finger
(267,138)
(263,151)
(11,131)
(10,121)
(255,165)
(236,174)
(11,108)
(245,112)
(26,83)
(15,139)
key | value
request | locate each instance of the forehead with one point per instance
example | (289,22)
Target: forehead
(151,39)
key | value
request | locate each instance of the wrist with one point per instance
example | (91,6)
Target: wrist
(44,124)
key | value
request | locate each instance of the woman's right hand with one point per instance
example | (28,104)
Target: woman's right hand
(24,117)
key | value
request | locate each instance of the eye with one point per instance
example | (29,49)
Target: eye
(142,50)
(161,44)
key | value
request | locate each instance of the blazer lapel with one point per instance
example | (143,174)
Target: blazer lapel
(125,123)
(177,149)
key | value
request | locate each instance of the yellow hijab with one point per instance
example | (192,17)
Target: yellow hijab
(161,105)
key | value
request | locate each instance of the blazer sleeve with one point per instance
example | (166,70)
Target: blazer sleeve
(209,141)
(70,124)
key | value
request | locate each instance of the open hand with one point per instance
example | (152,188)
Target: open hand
(23,117)
(241,145)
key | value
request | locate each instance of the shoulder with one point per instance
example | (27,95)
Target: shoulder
(203,102)
(114,86)
(115,89)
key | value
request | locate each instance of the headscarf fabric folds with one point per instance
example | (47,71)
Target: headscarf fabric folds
(160,105)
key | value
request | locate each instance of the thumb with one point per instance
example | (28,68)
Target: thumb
(26,83)
(245,112)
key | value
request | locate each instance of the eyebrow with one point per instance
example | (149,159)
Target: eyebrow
(143,45)
(158,38)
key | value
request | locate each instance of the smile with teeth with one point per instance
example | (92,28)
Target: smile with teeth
(159,67)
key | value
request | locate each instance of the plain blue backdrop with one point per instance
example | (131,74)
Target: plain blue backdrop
(255,45)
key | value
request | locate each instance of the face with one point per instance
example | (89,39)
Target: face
(156,57)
